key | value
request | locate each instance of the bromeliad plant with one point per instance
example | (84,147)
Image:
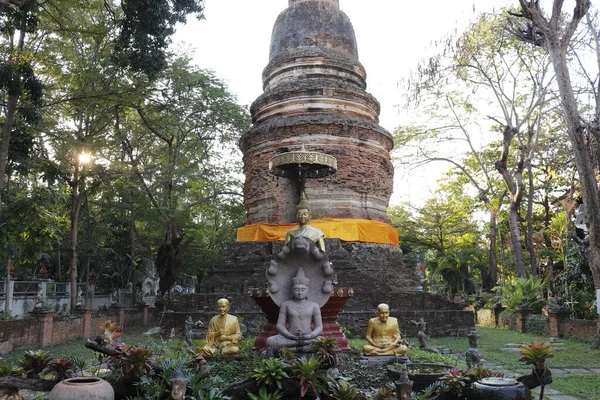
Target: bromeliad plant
(107,332)
(310,375)
(536,353)
(270,373)
(34,362)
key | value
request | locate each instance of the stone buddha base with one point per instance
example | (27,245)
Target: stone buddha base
(385,360)
(329,315)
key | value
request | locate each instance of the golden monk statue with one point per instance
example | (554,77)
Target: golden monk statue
(304,229)
(299,323)
(383,335)
(223,334)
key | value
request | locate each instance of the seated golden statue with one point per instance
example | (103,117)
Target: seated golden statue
(383,335)
(304,229)
(223,334)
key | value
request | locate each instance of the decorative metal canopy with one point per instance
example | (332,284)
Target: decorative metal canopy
(303,165)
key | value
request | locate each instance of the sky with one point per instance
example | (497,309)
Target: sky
(392,35)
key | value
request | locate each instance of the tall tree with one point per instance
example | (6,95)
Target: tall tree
(178,144)
(554,33)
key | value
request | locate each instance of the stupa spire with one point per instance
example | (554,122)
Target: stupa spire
(334,3)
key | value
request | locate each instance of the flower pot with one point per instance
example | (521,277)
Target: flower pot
(422,375)
(497,389)
(89,388)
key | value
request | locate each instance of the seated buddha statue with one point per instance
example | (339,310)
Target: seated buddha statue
(383,335)
(223,334)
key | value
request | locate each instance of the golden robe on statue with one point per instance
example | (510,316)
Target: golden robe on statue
(307,231)
(223,333)
(383,338)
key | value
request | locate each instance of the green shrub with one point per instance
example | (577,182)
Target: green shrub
(522,292)
(507,320)
(536,324)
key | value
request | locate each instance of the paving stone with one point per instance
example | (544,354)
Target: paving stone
(576,370)
(562,397)
(558,371)
(595,370)
(510,349)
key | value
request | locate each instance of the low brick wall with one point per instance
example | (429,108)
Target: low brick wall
(44,329)
(578,328)
(553,324)
(439,322)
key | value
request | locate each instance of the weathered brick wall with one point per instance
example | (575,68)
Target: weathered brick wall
(439,323)
(20,333)
(485,317)
(26,333)
(66,328)
(577,328)
(361,188)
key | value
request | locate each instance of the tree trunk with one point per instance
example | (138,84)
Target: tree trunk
(493,251)
(76,197)
(583,160)
(529,227)
(6,131)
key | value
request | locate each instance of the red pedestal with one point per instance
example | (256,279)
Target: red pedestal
(329,315)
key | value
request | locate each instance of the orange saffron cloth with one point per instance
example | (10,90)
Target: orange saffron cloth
(348,230)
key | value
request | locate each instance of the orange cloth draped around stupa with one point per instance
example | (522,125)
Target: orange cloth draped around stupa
(348,230)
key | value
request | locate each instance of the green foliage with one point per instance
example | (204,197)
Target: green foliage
(342,390)
(145,31)
(264,394)
(507,320)
(310,375)
(324,350)
(385,393)
(536,324)
(270,373)
(522,292)
(34,362)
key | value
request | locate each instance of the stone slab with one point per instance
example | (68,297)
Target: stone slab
(558,371)
(515,349)
(577,370)
(563,397)
(384,360)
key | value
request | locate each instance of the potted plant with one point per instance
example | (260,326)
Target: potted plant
(535,354)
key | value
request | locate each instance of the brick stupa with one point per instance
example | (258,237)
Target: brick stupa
(314,96)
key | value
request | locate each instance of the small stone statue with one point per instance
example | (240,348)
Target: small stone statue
(473,356)
(192,329)
(383,335)
(423,337)
(296,317)
(223,334)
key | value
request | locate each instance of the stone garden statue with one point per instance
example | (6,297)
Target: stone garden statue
(423,337)
(299,323)
(383,335)
(223,334)
(300,281)
(473,357)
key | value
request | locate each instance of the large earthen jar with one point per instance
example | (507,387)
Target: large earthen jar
(89,388)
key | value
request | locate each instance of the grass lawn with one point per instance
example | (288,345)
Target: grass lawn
(573,354)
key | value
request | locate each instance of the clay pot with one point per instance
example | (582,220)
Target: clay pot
(89,388)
